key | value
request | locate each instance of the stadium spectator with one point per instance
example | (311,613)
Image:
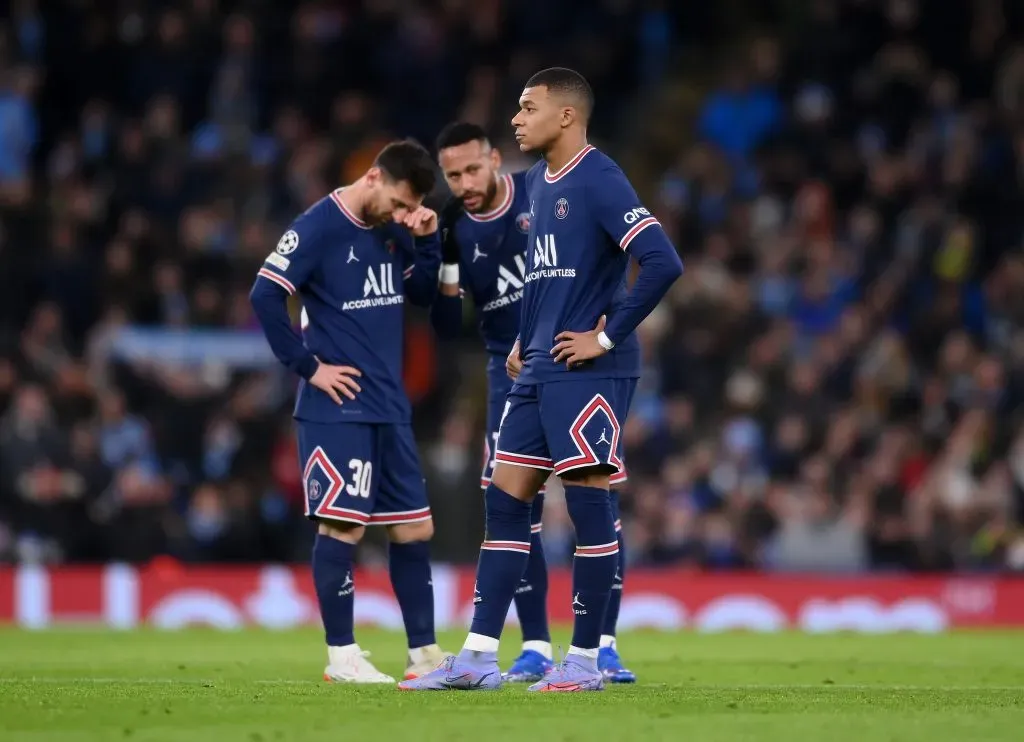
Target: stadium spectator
(835,383)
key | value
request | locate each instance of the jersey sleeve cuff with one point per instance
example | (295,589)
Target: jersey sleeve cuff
(307,366)
(428,240)
(612,331)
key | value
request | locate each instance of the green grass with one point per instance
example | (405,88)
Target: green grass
(264,687)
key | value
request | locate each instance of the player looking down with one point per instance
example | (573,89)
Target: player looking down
(353,257)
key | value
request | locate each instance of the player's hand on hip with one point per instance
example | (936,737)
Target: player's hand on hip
(421,222)
(337,380)
(576,347)
(514,362)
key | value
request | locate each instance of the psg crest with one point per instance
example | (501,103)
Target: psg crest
(523,223)
(561,208)
(314,490)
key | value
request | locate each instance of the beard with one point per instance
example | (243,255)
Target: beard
(375,217)
(488,197)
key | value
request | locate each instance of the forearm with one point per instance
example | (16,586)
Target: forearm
(660,266)
(270,305)
(446,312)
(421,276)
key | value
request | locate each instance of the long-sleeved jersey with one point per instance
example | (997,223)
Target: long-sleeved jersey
(585,222)
(353,280)
(492,270)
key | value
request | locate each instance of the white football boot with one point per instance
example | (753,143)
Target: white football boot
(423,660)
(350,665)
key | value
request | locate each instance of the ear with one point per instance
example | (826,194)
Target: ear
(495,159)
(568,116)
(373,176)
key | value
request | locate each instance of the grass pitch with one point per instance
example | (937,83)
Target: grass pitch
(264,687)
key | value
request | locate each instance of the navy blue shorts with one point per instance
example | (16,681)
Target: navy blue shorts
(565,425)
(498,387)
(362,473)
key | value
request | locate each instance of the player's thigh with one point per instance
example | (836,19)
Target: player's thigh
(402,503)
(522,460)
(497,393)
(497,396)
(337,471)
(581,422)
(618,479)
(617,482)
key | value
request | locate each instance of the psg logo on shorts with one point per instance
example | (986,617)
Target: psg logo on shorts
(314,490)
(523,223)
(561,208)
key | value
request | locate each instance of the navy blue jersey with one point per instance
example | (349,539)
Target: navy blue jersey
(492,264)
(582,221)
(353,280)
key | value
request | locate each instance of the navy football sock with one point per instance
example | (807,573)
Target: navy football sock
(532,592)
(611,616)
(503,557)
(593,568)
(335,590)
(409,566)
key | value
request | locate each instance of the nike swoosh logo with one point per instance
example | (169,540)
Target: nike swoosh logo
(455,678)
(480,682)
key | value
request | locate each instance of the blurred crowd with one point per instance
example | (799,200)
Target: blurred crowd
(836,383)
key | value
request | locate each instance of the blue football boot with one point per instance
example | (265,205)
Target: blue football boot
(529,667)
(611,667)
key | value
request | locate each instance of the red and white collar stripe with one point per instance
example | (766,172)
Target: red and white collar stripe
(336,198)
(567,167)
(501,209)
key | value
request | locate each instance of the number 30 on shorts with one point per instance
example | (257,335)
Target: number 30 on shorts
(361,479)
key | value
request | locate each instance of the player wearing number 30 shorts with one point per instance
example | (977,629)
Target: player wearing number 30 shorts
(353,258)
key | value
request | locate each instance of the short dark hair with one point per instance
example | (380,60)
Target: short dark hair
(408,160)
(568,83)
(460,132)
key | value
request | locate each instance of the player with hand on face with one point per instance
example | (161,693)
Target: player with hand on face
(353,257)
(484,230)
(578,360)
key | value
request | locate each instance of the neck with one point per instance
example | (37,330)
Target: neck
(354,197)
(563,150)
(499,195)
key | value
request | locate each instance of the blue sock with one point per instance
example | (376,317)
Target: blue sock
(532,592)
(593,568)
(335,591)
(409,566)
(503,557)
(611,616)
